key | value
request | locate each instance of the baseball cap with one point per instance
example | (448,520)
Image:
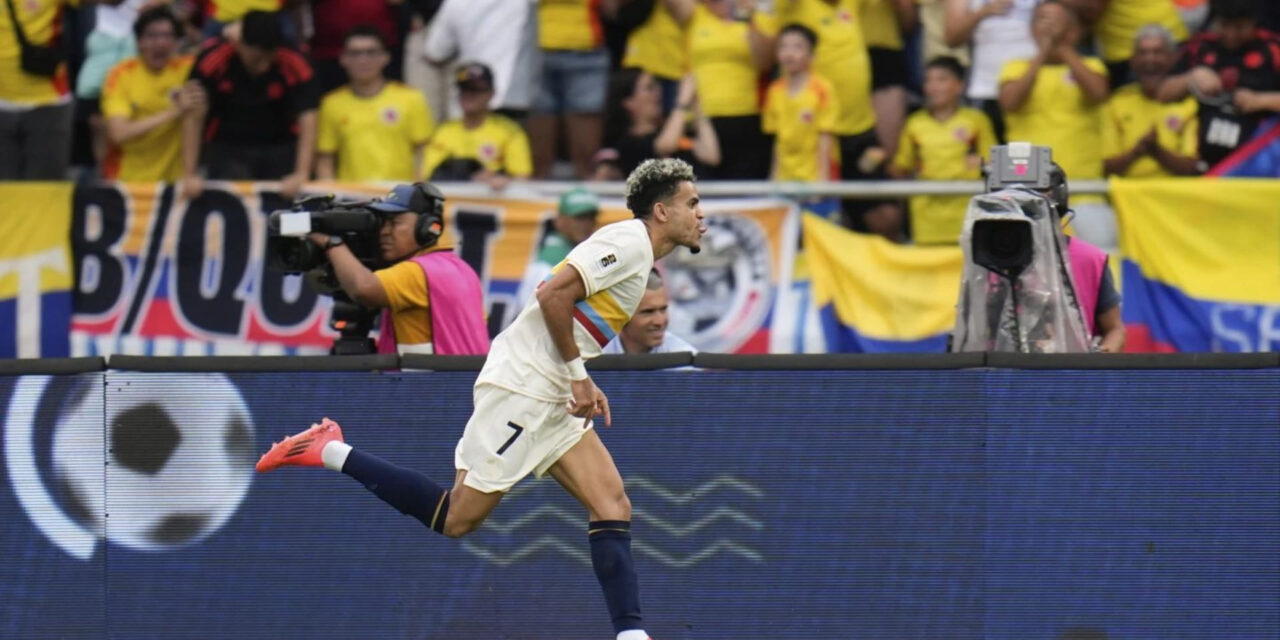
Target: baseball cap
(578,202)
(474,76)
(417,198)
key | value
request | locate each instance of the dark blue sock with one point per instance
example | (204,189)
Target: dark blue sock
(616,571)
(410,492)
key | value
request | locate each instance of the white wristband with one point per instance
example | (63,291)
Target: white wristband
(577,370)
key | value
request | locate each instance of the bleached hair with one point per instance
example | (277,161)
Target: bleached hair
(655,180)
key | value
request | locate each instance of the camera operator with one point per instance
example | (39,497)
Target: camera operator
(432,299)
(1095,286)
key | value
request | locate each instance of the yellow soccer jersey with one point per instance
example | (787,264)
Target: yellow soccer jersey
(1129,116)
(657,46)
(570,25)
(41,21)
(374,137)
(134,91)
(796,120)
(935,149)
(407,298)
(1057,115)
(1122,19)
(880,25)
(232,10)
(499,144)
(728,83)
(841,57)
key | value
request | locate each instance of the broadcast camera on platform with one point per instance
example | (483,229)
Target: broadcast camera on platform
(289,250)
(1016,290)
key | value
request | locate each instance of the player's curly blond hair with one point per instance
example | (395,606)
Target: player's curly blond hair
(655,180)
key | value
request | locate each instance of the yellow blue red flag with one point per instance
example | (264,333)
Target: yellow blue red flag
(1201,269)
(36,271)
(874,296)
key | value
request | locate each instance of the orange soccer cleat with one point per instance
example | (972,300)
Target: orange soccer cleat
(303,449)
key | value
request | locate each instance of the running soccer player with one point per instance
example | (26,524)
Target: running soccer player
(534,401)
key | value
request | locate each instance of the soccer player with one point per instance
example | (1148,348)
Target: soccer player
(375,128)
(534,401)
(800,109)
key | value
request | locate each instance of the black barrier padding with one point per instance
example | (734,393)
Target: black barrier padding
(917,361)
(729,361)
(441,363)
(638,362)
(254,363)
(50,366)
(1133,360)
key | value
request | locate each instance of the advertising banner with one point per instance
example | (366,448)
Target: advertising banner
(831,505)
(161,275)
(36,271)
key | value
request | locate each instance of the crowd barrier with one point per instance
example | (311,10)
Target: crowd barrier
(100,269)
(871,497)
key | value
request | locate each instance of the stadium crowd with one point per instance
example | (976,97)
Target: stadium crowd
(795,90)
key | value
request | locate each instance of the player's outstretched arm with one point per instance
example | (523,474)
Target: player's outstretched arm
(556,299)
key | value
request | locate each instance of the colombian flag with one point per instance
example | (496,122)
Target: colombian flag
(878,297)
(36,271)
(1201,269)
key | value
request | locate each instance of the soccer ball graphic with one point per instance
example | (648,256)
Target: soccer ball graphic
(178,458)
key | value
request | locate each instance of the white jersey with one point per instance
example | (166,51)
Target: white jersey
(614,264)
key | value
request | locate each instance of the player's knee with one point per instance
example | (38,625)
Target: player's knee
(458,527)
(617,506)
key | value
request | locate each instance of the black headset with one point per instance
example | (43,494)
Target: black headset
(1059,194)
(430,224)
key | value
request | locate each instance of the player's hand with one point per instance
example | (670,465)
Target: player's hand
(320,239)
(291,184)
(192,187)
(588,401)
(1206,80)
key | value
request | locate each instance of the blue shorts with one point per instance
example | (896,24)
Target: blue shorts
(572,82)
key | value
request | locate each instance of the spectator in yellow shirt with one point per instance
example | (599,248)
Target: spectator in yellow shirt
(883,22)
(1055,98)
(144,100)
(573,85)
(730,45)
(35,112)
(658,47)
(841,57)
(483,146)
(376,129)
(943,141)
(1119,24)
(800,109)
(1141,136)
